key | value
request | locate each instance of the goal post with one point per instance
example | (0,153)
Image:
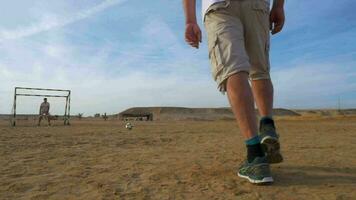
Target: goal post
(46,92)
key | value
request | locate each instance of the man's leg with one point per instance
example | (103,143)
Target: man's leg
(263,93)
(49,120)
(39,120)
(256,168)
(242,103)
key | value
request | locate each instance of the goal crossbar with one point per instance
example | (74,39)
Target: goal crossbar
(67,97)
(47,89)
(42,95)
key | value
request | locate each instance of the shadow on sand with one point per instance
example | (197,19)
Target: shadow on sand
(313,175)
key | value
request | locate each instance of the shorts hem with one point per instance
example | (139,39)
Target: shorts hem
(260,78)
(222,83)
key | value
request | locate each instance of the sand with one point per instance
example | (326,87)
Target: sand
(173,160)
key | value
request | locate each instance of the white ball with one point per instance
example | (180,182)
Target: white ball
(128,126)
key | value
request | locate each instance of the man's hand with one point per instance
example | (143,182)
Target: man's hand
(276,19)
(192,34)
(192,30)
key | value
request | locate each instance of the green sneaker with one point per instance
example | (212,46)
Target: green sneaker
(257,171)
(269,141)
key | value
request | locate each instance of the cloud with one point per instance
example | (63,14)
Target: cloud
(311,85)
(50,22)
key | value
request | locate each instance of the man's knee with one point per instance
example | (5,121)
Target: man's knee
(238,76)
(236,81)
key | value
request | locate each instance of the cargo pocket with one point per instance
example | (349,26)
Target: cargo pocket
(261,11)
(260,6)
(215,56)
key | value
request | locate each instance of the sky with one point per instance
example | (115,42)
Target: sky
(116,54)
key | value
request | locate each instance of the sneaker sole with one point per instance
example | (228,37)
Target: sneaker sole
(272,148)
(265,180)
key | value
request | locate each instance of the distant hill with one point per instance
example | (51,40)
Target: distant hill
(182,113)
(326,112)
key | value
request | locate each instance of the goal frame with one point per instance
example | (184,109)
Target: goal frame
(66,115)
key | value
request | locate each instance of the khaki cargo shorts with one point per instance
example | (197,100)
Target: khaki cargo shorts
(238,39)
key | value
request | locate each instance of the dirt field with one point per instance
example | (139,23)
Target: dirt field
(173,160)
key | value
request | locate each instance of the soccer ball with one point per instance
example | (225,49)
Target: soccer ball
(128,126)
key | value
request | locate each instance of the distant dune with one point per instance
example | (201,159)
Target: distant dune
(325,112)
(181,113)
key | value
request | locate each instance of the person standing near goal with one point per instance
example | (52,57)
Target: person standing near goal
(238,42)
(44,112)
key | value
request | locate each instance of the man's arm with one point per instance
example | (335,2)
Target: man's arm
(192,30)
(277,16)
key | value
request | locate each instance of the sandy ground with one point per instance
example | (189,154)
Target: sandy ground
(173,160)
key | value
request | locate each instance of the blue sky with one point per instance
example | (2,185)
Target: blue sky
(115,54)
